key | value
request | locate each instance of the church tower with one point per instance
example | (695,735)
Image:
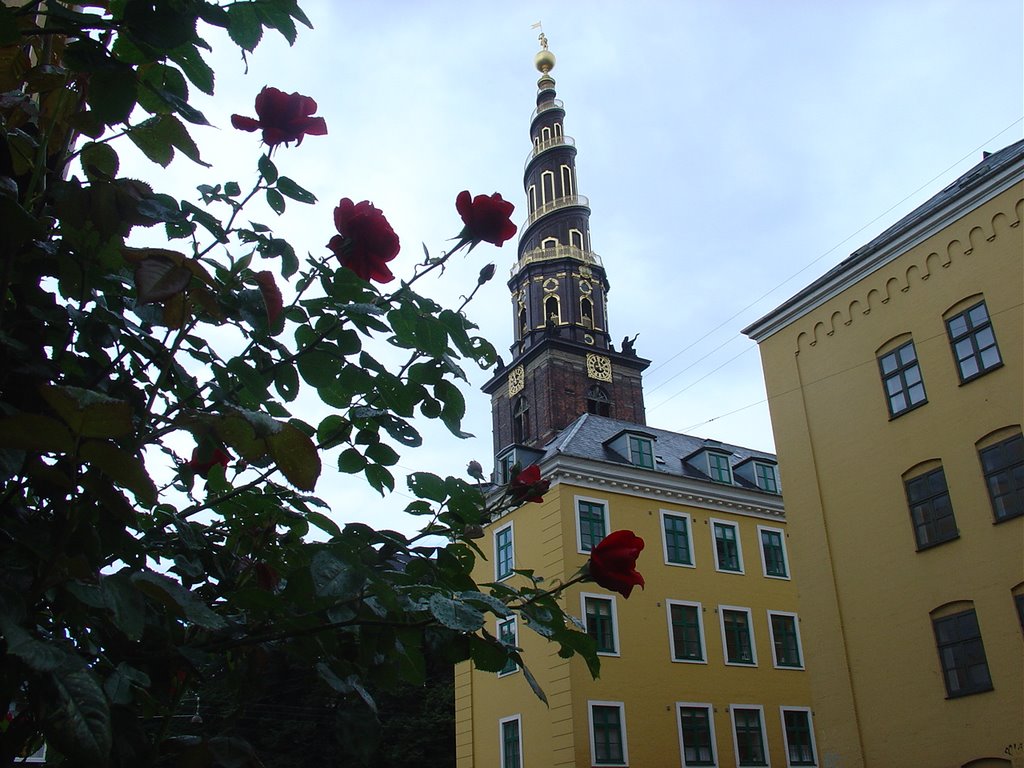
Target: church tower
(564,363)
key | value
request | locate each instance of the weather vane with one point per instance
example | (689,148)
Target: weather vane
(542,37)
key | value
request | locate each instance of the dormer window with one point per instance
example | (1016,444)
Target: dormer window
(641,452)
(718,467)
(503,470)
(766,476)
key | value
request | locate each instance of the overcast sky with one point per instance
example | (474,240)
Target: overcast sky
(732,152)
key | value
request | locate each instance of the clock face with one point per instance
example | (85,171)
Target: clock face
(516,380)
(599,367)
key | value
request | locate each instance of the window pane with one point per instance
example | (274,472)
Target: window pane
(677,539)
(607,735)
(1003,464)
(591,521)
(901,377)
(798,737)
(749,741)
(686,644)
(696,730)
(962,654)
(600,624)
(931,511)
(726,547)
(737,637)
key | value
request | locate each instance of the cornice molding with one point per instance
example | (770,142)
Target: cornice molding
(894,244)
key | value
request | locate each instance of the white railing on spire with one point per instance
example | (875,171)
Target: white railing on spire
(543,146)
(558,252)
(554,205)
(553,104)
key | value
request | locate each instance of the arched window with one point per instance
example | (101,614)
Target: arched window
(567,185)
(520,421)
(552,313)
(587,312)
(549,242)
(558,130)
(533,198)
(524,327)
(598,401)
(545,134)
(547,187)
(576,239)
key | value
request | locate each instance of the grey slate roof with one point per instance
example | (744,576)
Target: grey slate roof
(585,438)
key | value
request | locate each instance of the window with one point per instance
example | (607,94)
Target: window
(697,734)
(600,619)
(1018,600)
(686,631)
(607,733)
(718,467)
(766,476)
(511,742)
(961,654)
(973,342)
(552,311)
(931,511)
(748,732)
(598,401)
(508,634)
(591,523)
(675,530)
(728,555)
(521,420)
(504,553)
(641,452)
(737,635)
(796,725)
(901,377)
(1003,465)
(773,552)
(785,640)
(505,465)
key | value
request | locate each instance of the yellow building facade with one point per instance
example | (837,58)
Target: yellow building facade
(895,388)
(705,666)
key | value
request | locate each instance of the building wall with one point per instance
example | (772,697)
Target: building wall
(643,677)
(867,591)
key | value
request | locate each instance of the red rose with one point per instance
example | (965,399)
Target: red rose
(486,218)
(202,466)
(527,485)
(366,242)
(283,117)
(613,562)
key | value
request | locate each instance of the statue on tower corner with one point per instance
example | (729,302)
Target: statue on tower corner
(627,345)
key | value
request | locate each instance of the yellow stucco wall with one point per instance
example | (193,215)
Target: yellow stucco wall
(643,677)
(866,592)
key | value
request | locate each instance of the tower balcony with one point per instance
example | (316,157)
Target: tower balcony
(543,146)
(558,252)
(562,202)
(553,104)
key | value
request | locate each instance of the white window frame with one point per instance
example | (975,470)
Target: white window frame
(689,537)
(615,619)
(639,439)
(544,189)
(714,544)
(764,732)
(775,474)
(512,542)
(700,626)
(710,708)
(785,553)
(576,514)
(750,628)
(799,642)
(518,720)
(498,622)
(622,726)
(810,727)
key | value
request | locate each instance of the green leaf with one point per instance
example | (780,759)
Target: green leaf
(533,683)
(289,188)
(157,82)
(296,456)
(333,431)
(231,189)
(267,169)
(123,682)
(79,724)
(99,161)
(379,478)
(158,278)
(286,381)
(427,486)
(244,26)
(180,600)
(332,577)
(122,467)
(9,34)
(456,614)
(323,522)
(38,655)
(488,655)
(34,432)
(489,601)
(400,430)
(279,19)
(148,137)
(383,454)
(351,461)
(431,336)
(111,93)
(209,223)
(88,413)
(196,70)
(275,201)
(126,604)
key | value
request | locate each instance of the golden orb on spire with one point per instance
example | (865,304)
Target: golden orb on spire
(545,59)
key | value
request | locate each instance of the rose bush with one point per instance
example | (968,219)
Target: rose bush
(487,218)
(365,242)
(613,562)
(283,118)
